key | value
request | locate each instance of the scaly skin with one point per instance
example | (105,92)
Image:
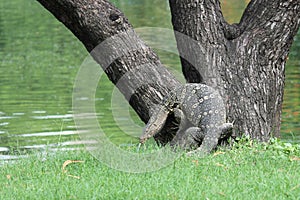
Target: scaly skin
(202,116)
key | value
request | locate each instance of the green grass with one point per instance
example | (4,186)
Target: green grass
(248,171)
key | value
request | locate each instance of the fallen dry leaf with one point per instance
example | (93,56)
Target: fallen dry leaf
(68,162)
(77,177)
(295,158)
(196,162)
(222,193)
(220,165)
(218,153)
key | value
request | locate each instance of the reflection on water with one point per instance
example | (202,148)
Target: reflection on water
(291,103)
(39,59)
(2,42)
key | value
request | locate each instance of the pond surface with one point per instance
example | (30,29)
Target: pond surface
(39,59)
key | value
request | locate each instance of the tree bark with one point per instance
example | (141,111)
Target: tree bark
(96,22)
(244,61)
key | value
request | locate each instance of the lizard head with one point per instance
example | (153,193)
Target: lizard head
(155,124)
(159,116)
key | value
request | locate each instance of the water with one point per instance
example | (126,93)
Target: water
(39,59)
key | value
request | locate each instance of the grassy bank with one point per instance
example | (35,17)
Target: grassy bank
(248,171)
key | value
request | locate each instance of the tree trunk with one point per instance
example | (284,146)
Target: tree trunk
(96,22)
(245,62)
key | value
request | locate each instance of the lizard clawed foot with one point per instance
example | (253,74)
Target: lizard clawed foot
(198,152)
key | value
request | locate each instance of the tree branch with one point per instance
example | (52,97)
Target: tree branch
(124,57)
(203,22)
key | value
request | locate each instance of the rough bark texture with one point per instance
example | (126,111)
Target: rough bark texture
(244,61)
(96,22)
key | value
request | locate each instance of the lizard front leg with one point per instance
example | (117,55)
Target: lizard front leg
(186,137)
(210,140)
(192,138)
(226,130)
(182,123)
(206,147)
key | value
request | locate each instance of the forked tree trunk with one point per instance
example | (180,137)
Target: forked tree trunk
(245,62)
